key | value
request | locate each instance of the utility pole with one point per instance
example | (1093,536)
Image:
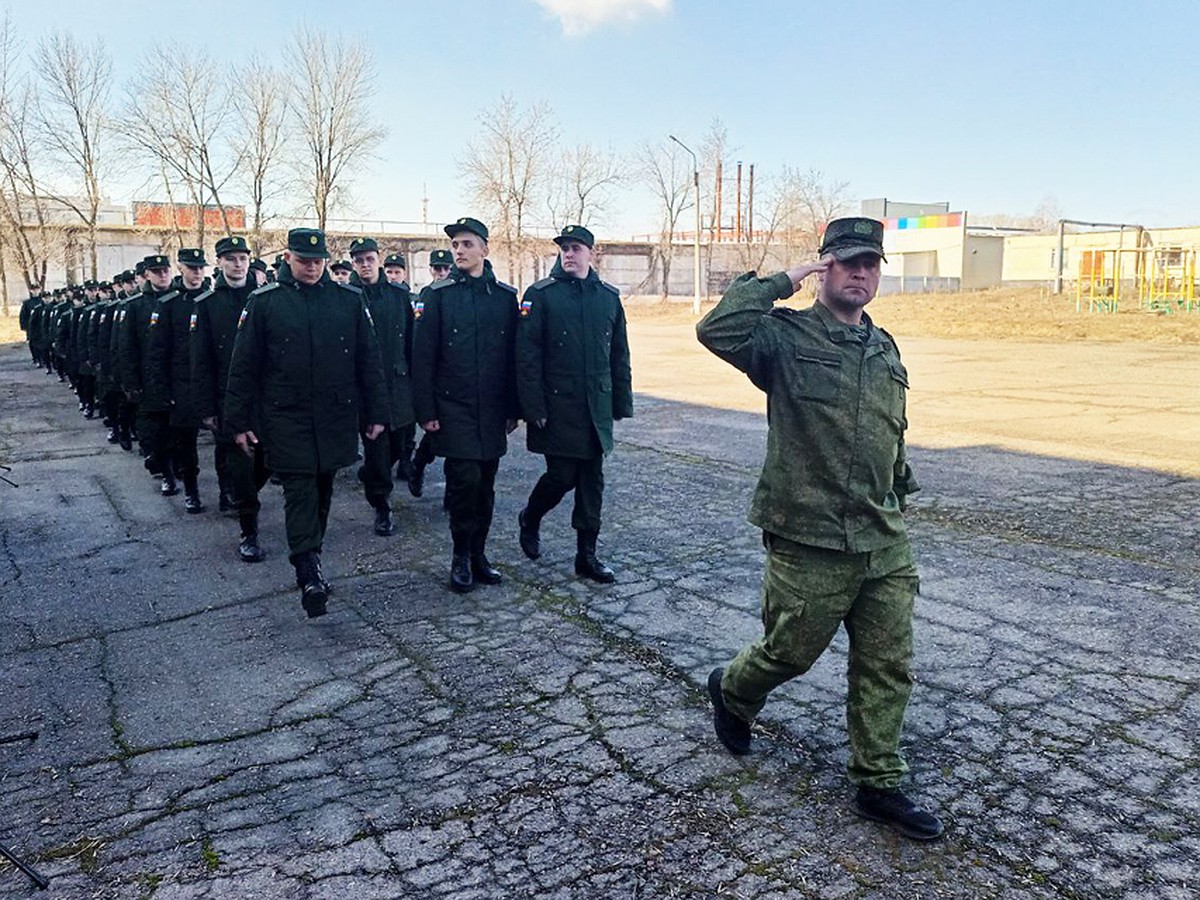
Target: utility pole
(696,234)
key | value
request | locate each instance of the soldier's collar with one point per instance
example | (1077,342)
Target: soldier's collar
(841,332)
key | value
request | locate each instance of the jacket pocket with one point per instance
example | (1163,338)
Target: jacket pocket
(820,374)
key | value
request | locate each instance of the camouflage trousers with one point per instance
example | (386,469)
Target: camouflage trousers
(807,592)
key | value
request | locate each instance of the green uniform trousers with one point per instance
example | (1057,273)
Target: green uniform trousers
(807,592)
(306,502)
(564,474)
(379,456)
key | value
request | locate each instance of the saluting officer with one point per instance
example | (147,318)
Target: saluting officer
(391,310)
(574,380)
(213,325)
(440,262)
(464,391)
(307,358)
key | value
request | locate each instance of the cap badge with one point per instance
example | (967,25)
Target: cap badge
(312,238)
(862,227)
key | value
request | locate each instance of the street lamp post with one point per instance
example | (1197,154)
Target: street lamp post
(696,236)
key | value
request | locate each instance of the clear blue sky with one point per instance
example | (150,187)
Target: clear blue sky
(989,105)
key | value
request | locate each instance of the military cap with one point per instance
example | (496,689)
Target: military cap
(467,224)
(91,283)
(191,256)
(441,258)
(232,244)
(278,260)
(259,264)
(156,261)
(853,236)
(363,245)
(105,285)
(307,243)
(342,265)
(395,259)
(139,268)
(576,233)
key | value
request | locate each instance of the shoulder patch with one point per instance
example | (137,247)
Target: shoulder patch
(352,288)
(418,308)
(439,284)
(508,287)
(242,318)
(543,283)
(525,307)
(192,321)
(203,296)
(154,318)
(265,289)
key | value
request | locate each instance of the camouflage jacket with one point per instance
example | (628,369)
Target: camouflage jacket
(835,475)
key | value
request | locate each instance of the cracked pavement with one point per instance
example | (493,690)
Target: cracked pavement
(198,738)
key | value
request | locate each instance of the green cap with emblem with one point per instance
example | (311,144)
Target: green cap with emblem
(258,264)
(363,245)
(232,244)
(342,265)
(395,259)
(853,236)
(441,258)
(156,261)
(191,256)
(307,243)
(466,223)
(576,233)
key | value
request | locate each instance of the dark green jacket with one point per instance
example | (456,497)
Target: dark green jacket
(35,325)
(138,376)
(27,309)
(463,363)
(105,322)
(170,351)
(213,330)
(306,359)
(116,341)
(391,309)
(836,474)
(572,364)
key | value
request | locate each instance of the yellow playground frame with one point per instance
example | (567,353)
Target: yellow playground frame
(1164,278)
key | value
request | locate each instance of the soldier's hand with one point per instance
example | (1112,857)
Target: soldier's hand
(432,425)
(511,425)
(540,423)
(247,440)
(798,273)
(210,423)
(373,431)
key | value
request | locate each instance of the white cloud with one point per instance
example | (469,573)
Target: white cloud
(581,16)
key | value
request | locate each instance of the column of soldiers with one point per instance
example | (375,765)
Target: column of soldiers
(292,375)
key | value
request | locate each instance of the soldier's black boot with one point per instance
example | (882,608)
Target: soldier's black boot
(586,563)
(225,501)
(482,570)
(313,595)
(530,537)
(733,731)
(384,523)
(461,579)
(169,486)
(895,809)
(320,574)
(191,495)
(248,549)
(113,435)
(416,478)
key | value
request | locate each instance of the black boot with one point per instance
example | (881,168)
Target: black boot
(461,579)
(416,478)
(481,570)
(894,808)
(313,595)
(113,436)
(530,538)
(384,523)
(248,549)
(191,495)
(169,487)
(586,564)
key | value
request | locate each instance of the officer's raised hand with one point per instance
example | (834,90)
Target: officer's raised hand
(798,273)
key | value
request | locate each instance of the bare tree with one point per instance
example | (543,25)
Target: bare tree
(262,107)
(506,170)
(664,169)
(332,90)
(582,182)
(714,151)
(185,126)
(72,118)
(809,201)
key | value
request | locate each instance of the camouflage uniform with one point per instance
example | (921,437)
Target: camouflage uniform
(829,501)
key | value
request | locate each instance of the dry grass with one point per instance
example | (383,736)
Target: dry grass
(10,328)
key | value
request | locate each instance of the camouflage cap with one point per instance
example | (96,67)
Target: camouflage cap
(232,244)
(576,233)
(441,258)
(853,236)
(466,224)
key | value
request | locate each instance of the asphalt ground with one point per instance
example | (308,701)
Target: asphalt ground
(198,737)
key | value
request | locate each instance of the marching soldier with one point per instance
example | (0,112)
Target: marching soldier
(464,391)
(214,323)
(307,360)
(33,302)
(439,268)
(391,309)
(574,380)
(172,364)
(396,270)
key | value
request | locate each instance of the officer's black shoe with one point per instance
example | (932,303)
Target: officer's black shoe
(461,580)
(586,563)
(248,549)
(732,731)
(895,809)
(191,502)
(89,412)
(384,523)
(416,479)
(126,442)
(483,571)
(313,598)
(169,487)
(113,437)
(530,538)
(225,502)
